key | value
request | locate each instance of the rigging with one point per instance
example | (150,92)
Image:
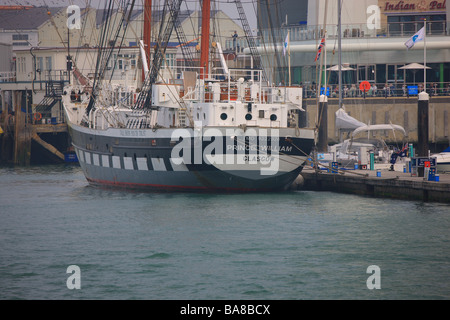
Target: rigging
(106,42)
(166,28)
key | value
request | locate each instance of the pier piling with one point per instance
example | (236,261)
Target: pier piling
(422,127)
(322,145)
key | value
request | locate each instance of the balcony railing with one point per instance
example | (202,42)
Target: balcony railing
(407,29)
(396,29)
(381,90)
(8,76)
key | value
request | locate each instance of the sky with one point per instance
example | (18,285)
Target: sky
(228,6)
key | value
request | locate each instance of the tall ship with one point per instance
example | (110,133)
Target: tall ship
(201,128)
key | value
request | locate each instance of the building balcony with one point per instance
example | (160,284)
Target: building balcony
(8,76)
(390,30)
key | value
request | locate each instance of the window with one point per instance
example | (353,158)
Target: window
(40,64)
(24,65)
(48,63)
(261,114)
(170,60)
(18,37)
(366,72)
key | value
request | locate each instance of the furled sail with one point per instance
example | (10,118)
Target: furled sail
(346,122)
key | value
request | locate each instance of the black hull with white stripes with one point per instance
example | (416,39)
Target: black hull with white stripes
(146,160)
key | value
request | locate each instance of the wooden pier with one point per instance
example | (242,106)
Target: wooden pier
(33,132)
(19,136)
(391,184)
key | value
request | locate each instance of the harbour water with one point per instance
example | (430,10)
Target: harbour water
(283,246)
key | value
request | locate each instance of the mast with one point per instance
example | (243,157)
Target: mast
(425,57)
(69,65)
(204,49)
(147,32)
(340,51)
(289,57)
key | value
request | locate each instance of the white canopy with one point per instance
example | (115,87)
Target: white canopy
(346,122)
(414,66)
(379,127)
(343,68)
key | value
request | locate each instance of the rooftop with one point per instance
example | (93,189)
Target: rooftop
(25,17)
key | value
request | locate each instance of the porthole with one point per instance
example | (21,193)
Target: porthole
(223,116)
(273,117)
(248,117)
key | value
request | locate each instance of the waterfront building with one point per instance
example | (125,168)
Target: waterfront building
(19,25)
(40,54)
(375,53)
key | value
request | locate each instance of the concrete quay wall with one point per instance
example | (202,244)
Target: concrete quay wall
(396,110)
(394,185)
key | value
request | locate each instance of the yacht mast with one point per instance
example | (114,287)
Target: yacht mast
(340,50)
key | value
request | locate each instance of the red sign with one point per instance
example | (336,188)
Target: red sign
(427,164)
(364,86)
(422,5)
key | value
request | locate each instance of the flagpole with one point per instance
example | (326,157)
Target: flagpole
(425,57)
(325,62)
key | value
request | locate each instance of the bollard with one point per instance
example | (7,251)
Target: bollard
(372,161)
(432,174)
(411,150)
(334,167)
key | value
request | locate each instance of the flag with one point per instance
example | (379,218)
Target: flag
(404,151)
(319,50)
(286,43)
(419,36)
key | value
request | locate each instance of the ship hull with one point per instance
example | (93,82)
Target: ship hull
(144,160)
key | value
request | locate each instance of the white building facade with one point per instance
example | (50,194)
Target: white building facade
(374,33)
